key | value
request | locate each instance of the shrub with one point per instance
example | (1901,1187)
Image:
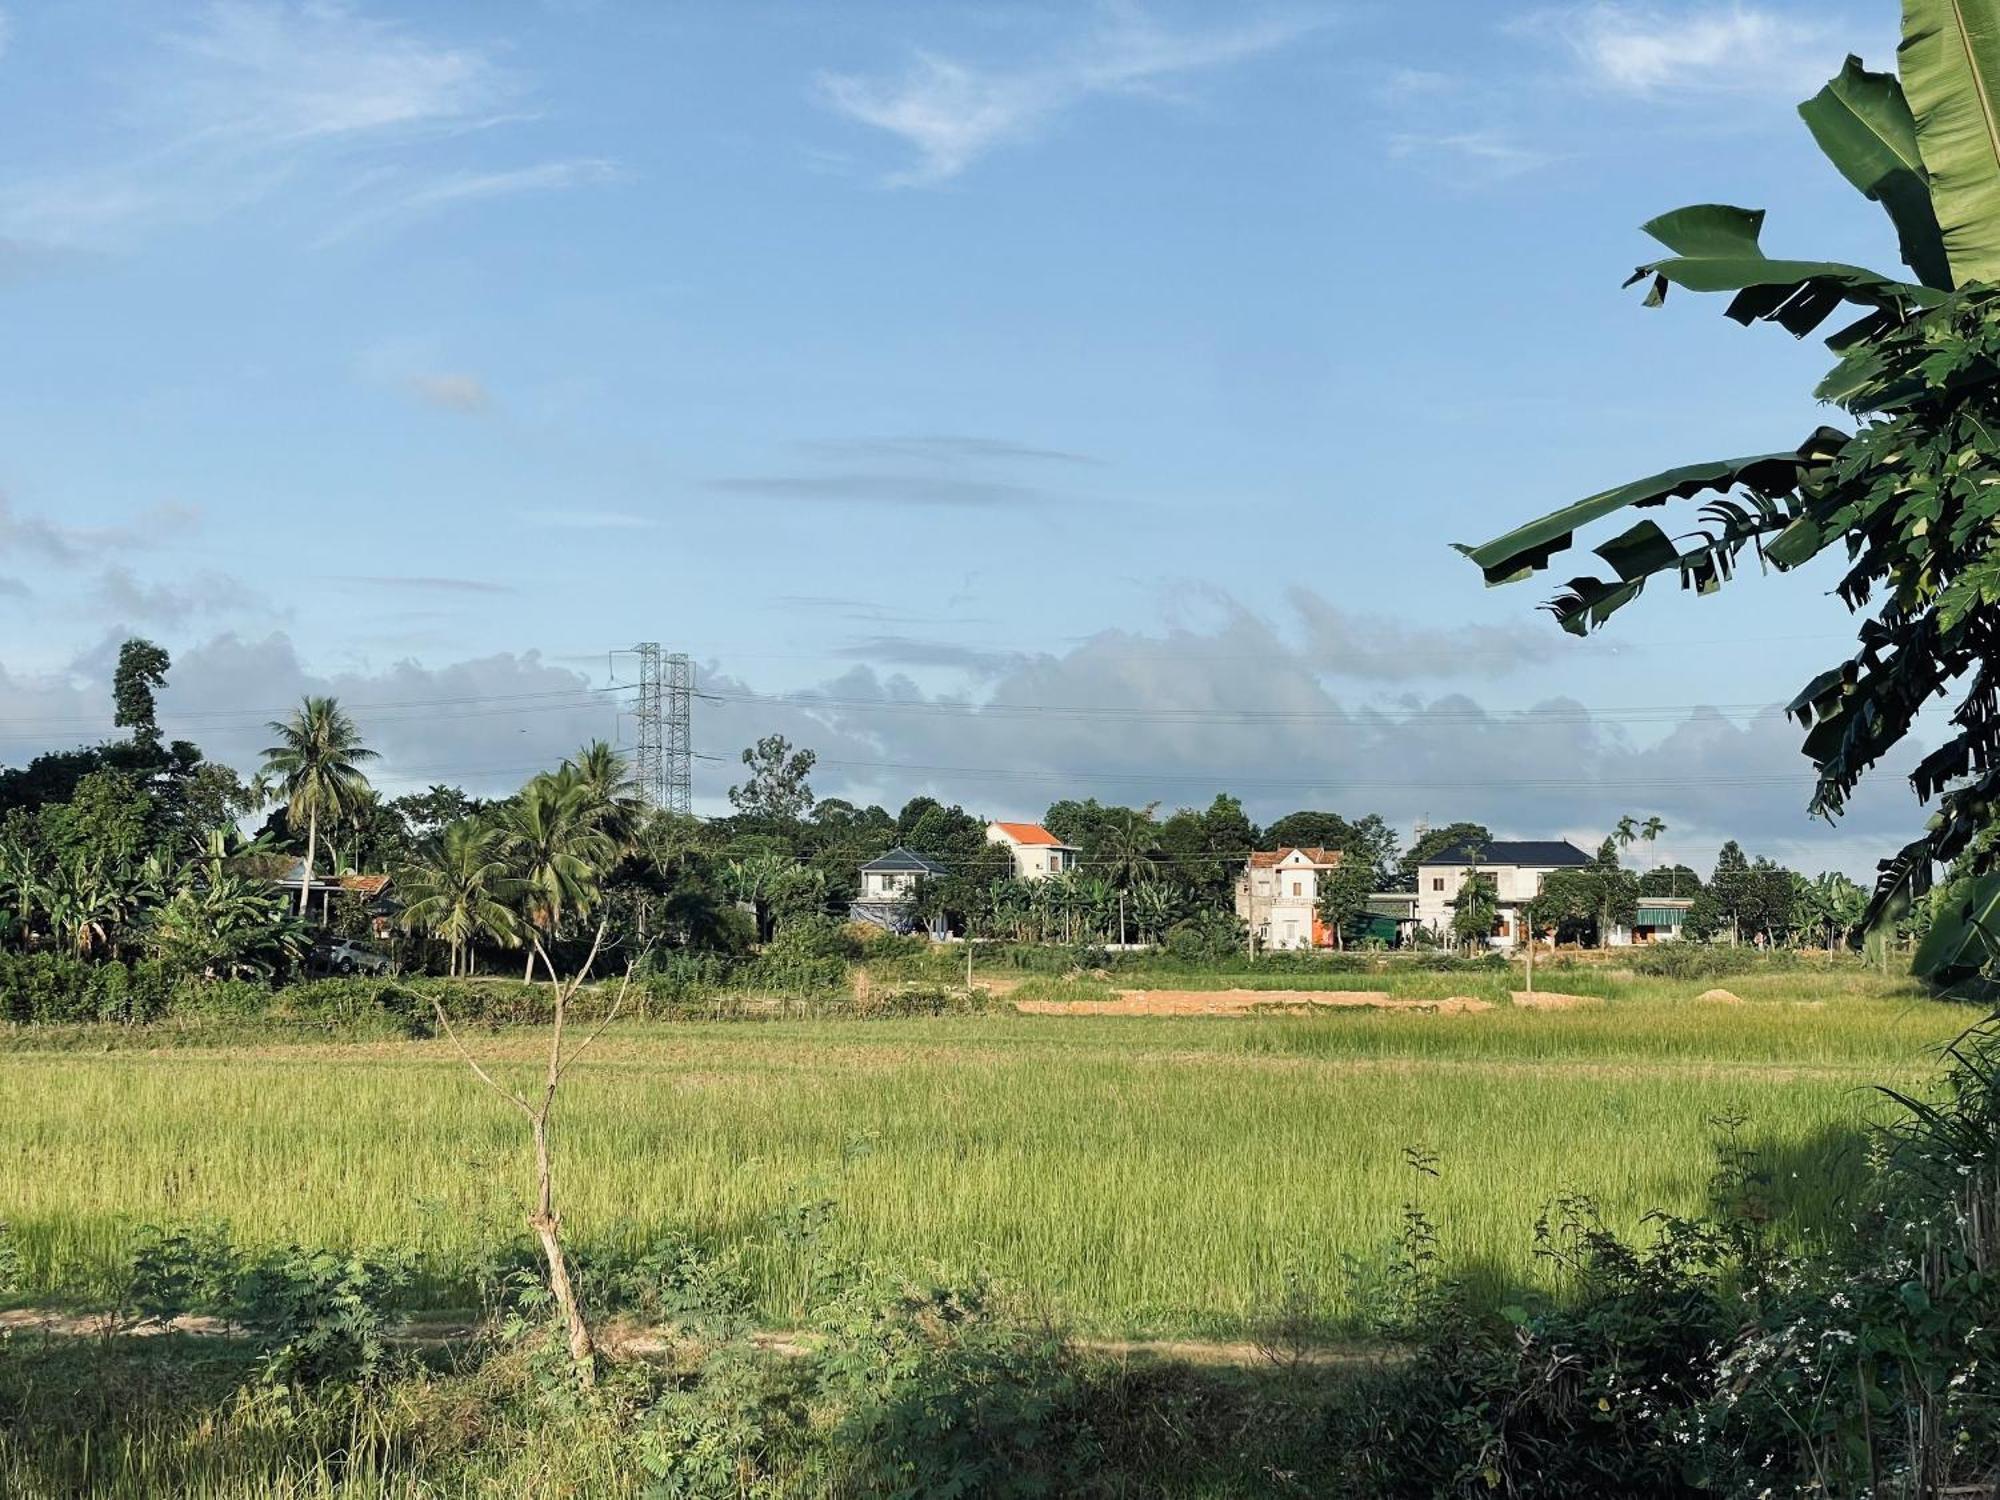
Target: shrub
(319,1315)
(54,987)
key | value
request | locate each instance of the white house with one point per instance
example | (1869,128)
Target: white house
(887,884)
(1277,896)
(1037,853)
(1518,869)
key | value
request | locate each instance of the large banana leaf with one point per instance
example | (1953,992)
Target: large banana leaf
(1965,933)
(1950,62)
(1715,250)
(1529,547)
(1864,125)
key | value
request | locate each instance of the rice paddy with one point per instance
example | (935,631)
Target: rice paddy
(1139,1176)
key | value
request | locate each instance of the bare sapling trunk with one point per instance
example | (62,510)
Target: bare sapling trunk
(545,1220)
(312,853)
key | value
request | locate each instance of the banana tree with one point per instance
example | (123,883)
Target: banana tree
(1909,490)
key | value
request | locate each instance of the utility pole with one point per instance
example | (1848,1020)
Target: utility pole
(665,711)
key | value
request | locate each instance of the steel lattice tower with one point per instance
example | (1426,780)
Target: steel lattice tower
(665,710)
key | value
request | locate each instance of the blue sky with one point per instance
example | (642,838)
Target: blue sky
(1128,368)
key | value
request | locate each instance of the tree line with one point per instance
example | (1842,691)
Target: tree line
(135,848)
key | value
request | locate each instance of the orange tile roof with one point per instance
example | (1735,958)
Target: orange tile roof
(364,885)
(1265,859)
(1029,833)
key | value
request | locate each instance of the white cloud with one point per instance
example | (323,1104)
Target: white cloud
(458,187)
(1493,153)
(250,99)
(286,73)
(952,112)
(1646,49)
(1129,716)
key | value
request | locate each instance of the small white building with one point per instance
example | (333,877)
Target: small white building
(1277,896)
(1659,919)
(1038,854)
(1518,868)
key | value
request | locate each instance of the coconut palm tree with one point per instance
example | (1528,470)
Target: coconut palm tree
(460,890)
(1626,831)
(555,852)
(316,768)
(1125,848)
(611,790)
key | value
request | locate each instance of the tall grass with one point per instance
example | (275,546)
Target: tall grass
(1147,1177)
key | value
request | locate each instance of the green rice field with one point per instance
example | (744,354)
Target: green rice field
(1140,1176)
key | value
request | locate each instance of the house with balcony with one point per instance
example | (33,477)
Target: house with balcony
(1277,897)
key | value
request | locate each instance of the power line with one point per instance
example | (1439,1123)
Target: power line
(1630,714)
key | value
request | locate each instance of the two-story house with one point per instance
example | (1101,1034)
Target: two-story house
(1518,868)
(888,884)
(1277,896)
(1038,854)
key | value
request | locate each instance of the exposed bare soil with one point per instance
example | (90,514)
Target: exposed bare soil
(1244,1002)
(1553,1000)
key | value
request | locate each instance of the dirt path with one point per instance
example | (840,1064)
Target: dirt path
(1246,1002)
(651,1342)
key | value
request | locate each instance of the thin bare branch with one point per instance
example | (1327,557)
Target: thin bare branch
(617,1004)
(473,1063)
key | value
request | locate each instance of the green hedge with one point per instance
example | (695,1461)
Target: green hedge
(46,987)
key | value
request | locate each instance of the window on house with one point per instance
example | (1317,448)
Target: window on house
(1437,882)
(1298,888)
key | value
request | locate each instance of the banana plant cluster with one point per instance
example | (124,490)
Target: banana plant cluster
(198,913)
(1908,487)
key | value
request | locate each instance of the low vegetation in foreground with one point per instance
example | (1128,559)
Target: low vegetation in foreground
(1140,1177)
(1813,1322)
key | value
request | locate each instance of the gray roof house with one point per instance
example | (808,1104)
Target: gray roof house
(887,885)
(1518,868)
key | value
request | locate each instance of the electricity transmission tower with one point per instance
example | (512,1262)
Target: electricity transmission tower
(665,712)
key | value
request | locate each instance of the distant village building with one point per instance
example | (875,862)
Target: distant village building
(1659,919)
(888,885)
(1038,854)
(1277,896)
(1518,868)
(371,890)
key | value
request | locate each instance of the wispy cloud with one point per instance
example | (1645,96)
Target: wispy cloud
(586,520)
(884,489)
(913,651)
(247,99)
(466,393)
(69,543)
(951,113)
(1648,49)
(943,448)
(419,584)
(121,593)
(1492,152)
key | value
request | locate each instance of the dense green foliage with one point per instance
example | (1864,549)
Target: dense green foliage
(1910,495)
